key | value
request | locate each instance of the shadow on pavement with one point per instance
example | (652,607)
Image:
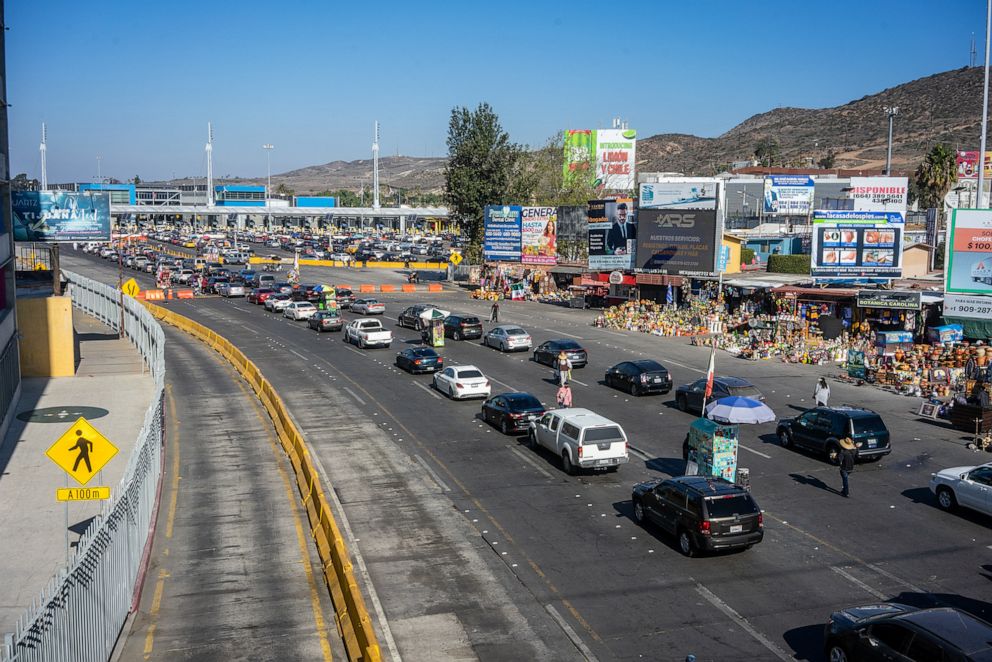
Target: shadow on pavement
(813,481)
(806,642)
(923,495)
(673,466)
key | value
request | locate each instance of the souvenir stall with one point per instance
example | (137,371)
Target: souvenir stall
(711,450)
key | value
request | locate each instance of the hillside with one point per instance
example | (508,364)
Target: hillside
(945,107)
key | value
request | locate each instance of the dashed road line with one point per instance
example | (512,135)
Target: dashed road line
(300,355)
(433,474)
(857,582)
(741,621)
(571,634)
(570,335)
(751,450)
(532,462)
(354,395)
(429,390)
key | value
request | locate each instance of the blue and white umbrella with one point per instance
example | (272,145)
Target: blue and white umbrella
(735,409)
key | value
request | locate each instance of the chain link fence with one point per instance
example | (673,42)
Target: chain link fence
(79,614)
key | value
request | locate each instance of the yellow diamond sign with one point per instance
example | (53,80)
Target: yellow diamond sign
(82,451)
(131,288)
(455,258)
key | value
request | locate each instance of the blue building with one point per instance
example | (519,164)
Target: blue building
(775,245)
(120,194)
(314,201)
(239,196)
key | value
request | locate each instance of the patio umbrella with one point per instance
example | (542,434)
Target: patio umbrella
(736,409)
(434,313)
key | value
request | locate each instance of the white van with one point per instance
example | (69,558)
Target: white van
(581,438)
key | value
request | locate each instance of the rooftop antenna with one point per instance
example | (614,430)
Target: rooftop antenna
(210,164)
(375,168)
(619,123)
(974,52)
(44,162)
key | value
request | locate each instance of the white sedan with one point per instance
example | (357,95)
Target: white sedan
(970,487)
(299,310)
(507,338)
(368,307)
(462,381)
(279,305)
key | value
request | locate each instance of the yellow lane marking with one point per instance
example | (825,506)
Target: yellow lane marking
(156,606)
(170,519)
(318,615)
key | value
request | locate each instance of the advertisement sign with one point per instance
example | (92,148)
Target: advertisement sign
(580,154)
(573,235)
(856,244)
(971,307)
(615,159)
(879,193)
(856,364)
(788,194)
(501,237)
(684,194)
(967,163)
(612,234)
(969,252)
(539,234)
(890,300)
(677,241)
(61,215)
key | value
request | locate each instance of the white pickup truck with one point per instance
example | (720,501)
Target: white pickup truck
(581,438)
(367,332)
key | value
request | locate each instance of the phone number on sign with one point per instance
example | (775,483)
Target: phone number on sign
(980,310)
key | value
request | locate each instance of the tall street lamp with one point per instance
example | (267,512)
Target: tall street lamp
(891,112)
(268,177)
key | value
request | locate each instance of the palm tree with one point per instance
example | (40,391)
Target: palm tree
(935,177)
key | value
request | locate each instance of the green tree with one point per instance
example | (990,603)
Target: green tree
(137,180)
(935,177)
(767,152)
(282,189)
(541,179)
(22,183)
(484,168)
(827,162)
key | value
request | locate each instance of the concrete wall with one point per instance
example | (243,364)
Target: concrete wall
(47,347)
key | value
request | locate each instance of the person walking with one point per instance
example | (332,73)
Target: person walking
(846,462)
(563,369)
(564,396)
(821,392)
(494,312)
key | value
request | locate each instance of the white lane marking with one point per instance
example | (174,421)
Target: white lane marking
(299,355)
(429,390)
(531,461)
(354,395)
(682,365)
(767,457)
(251,329)
(437,479)
(578,382)
(352,349)
(885,573)
(639,453)
(857,582)
(391,318)
(741,621)
(571,634)
(570,335)
(501,383)
(614,333)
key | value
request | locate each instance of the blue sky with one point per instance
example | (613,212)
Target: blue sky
(136,82)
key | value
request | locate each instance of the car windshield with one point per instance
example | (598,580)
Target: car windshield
(429,353)
(470,320)
(468,374)
(611,433)
(650,366)
(566,345)
(344,293)
(517,331)
(868,424)
(729,506)
(523,401)
(744,391)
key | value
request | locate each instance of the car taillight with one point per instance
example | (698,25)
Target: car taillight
(516,415)
(457,385)
(416,362)
(579,450)
(464,324)
(761,520)
(644,379)
(487,383)
(704,527)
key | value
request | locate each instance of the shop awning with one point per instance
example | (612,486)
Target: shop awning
(833,293)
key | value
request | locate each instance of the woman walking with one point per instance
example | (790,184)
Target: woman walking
(821,393)
(564,396)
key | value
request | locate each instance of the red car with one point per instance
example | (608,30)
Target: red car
(260,294)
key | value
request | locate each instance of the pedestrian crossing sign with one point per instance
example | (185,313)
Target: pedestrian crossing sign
(131,288)
(82,451)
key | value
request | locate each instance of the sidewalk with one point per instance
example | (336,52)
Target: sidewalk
(110,390)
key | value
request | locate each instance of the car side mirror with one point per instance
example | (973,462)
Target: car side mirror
(963,476)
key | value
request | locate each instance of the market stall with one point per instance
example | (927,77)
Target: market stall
(711,450)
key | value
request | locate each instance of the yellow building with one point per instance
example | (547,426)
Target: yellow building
(735,244)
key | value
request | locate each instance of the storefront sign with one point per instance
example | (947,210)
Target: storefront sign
(890,300)
(677,241)
(968,307)
(856,244)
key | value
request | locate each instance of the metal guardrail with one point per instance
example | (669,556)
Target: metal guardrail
(79,615)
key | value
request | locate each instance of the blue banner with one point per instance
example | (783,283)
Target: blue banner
(503,233)
(61,215)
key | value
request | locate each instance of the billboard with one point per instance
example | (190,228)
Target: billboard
(539,235)
(501,234)
(967,163)
(969,252)
(970,307)
(890,300)
(677,241)
(789,194)
(61,215)
(879,193)
(572,242)
(605,157)
(856,244)
(698,193)
(612,234)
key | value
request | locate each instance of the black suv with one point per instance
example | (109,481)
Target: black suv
(892,631)
(344,297)
(820,430)
(410,318)
(704,513)
(462,327)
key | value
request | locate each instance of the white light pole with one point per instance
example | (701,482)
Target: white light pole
(98,177)
(375,169)
(891,112)
(44,161)
(985,109)
(268,178)
(210,165)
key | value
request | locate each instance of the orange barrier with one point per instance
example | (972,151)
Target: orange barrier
(387,288)
(343,287)
(409,288)
(184,294)
(366,288)
(435,287)
(154,295)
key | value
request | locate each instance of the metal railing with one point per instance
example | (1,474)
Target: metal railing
(79,615)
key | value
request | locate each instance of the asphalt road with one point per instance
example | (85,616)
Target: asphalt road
(621,591)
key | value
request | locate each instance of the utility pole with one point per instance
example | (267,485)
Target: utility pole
(210,165)
(375,168)
(98,177)
(268,178)
(985,110)
(891,112)
(44,162)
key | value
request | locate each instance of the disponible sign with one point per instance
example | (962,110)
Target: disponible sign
(856,244)
(676,241)
(502,233)
(788,194)
(969,255)
(969,307)
(539,235)
(879,193)
(61,215)
(890,300)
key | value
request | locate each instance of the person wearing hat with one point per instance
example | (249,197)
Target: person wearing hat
(846,462)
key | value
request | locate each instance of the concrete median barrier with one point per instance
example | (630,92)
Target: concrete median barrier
(352,617)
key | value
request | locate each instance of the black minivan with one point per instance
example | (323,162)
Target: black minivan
(821,429)
(462,327)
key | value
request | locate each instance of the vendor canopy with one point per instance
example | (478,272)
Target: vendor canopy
(832,293)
